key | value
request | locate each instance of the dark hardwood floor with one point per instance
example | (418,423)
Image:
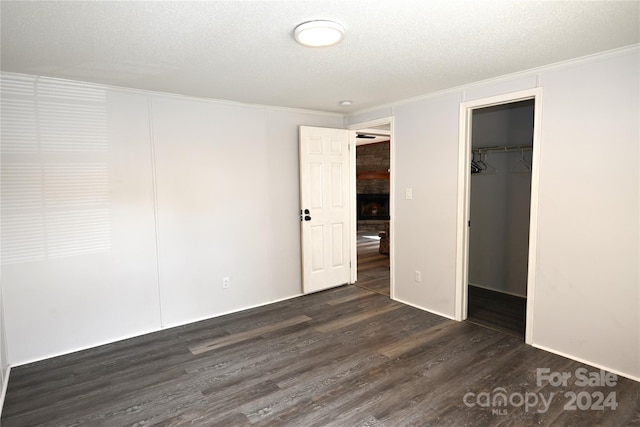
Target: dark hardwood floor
(373,267)
(503,312)
(343,357)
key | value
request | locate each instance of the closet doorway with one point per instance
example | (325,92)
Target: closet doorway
(499,210)
(498,203)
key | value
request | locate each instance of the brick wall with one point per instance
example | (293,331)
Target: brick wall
(373,158)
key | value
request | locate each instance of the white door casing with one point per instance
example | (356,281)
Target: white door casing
(325,203)
(464,186)
(360,126)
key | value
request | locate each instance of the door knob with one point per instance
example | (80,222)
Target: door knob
(307,218)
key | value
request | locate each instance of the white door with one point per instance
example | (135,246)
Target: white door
(325,207)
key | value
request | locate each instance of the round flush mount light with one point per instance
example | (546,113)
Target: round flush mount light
(319,33)
(345,103)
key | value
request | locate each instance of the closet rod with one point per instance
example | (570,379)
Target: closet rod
(505,148)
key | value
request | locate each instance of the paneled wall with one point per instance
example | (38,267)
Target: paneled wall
(587,290)
(587,298)
(78,247)
(122,211)
(4,363)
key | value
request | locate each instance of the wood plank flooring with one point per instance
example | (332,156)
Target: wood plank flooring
(373,267)
(503,312)
(343,357)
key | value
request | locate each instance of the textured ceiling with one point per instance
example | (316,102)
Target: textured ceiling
(244,50)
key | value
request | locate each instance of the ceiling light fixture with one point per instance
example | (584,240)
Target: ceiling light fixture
(345,103)
(319,33)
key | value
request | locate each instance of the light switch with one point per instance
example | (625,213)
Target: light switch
(408,193)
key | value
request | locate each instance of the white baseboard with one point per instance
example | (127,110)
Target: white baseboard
(541,347)
(425,309)
(586,362)
(5,385)
(201,319)
(151,331)
(497,290)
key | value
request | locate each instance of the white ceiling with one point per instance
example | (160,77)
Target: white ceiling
(244,50)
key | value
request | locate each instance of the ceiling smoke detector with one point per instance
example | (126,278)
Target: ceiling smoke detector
(319,33)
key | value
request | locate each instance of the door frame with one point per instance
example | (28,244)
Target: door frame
(354,217)
(464,194)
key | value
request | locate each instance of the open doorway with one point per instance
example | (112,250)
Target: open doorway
(373,207)
(329,212)
(505,154)
(499,211)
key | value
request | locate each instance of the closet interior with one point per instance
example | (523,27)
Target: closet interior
(500,198)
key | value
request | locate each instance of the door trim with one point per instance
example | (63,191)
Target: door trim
(354,220)
(464,187)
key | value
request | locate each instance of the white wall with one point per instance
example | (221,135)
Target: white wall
(3,350)
(99,184)
(587,292)
(228,205)
(213,207)
(499,232)
(587,300)
(78,235)
(426,133)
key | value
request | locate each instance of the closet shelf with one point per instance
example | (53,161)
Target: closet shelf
(506,148)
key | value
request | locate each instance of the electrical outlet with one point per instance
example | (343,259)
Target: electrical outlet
(418,276)
(408,193)
(225,282)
